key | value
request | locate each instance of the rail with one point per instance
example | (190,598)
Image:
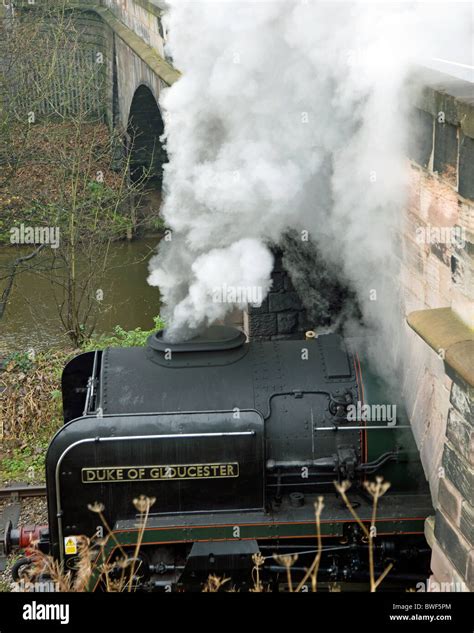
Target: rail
(22,490)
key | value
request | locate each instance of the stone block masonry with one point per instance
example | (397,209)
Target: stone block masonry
(282,314)
(437,282)
(436,263)
(90,82)
(443,138)
(130,37)
(456,495)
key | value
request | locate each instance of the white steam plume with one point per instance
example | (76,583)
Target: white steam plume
(289,115)
(244,264)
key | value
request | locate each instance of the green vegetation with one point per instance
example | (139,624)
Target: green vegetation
(123,338)
(30,412)
(25,463)
(31,404)
(155,223)
(22,361)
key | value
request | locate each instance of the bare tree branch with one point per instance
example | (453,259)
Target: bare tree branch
(11,277)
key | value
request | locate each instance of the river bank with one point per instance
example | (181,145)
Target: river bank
(31,320)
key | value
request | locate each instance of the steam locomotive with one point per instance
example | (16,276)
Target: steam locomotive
(236,441)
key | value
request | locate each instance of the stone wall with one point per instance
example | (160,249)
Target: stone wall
(92,76)
(138,46)
(99,40)
(129,35)
(436,272)
(281,315)
(441,196)
(454,521)
(142,17)
(451,533)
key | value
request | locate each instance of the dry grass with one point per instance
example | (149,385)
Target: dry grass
(215,583)
(312,572)
(258,562)
(120,575)
(30,413)
(31,394)
(376,490)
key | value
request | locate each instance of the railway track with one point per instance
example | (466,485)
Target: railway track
(13,509)
(20,491)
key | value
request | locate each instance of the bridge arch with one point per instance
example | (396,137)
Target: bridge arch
(144,129)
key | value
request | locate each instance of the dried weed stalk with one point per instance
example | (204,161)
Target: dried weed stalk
(45,566)
(214,583)
(90,562)
(376,489)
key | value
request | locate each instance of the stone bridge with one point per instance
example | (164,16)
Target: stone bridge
(126,37)
(130,36)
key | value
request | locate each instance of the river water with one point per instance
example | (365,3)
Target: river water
(31,318)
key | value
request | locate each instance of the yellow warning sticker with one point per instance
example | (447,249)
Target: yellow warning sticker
(70,545)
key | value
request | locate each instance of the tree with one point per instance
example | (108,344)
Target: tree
(59,168)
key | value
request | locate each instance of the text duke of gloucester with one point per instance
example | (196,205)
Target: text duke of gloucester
(165,472)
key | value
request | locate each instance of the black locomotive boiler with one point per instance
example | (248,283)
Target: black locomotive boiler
(236,441)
